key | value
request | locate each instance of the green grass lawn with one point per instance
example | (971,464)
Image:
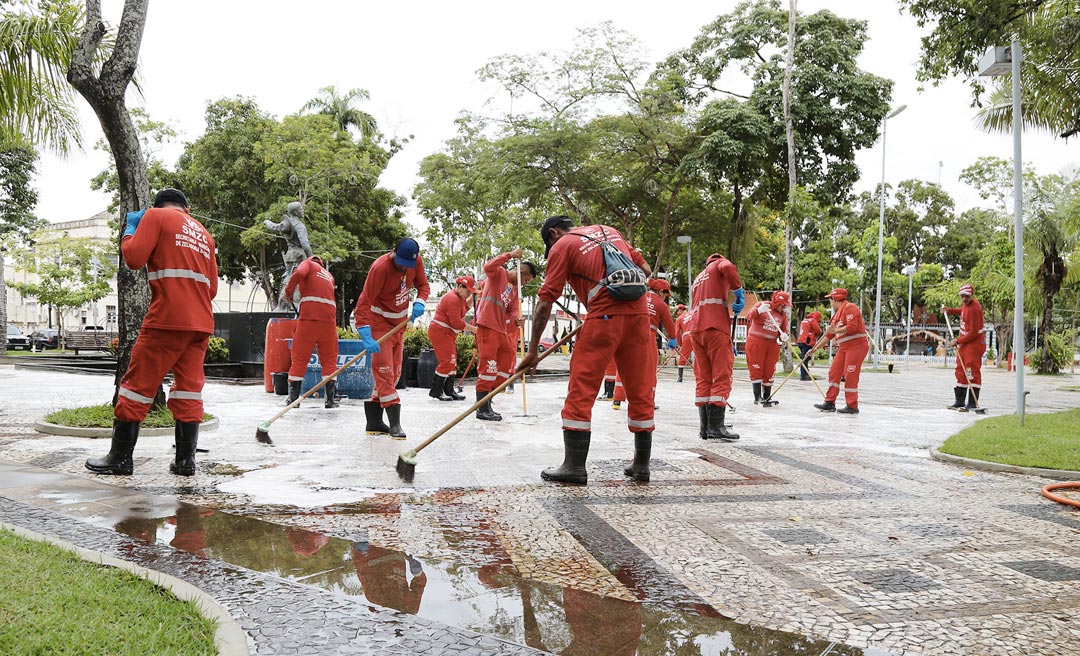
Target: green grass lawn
(53,602)
(101,416)
(1049,441)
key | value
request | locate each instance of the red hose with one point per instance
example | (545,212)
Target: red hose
(1048,489)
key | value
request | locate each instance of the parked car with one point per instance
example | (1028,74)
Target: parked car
(45,338)
(93,328)
(16,340)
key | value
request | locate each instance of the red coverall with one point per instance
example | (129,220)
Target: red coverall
(713,357)
(497,308)
(851,351)
(684,328)
(613,330)
(180,257)
(383,304)
(762,348)
(659,316)
(809,331)
(317,327)
(448,322)
(970,344)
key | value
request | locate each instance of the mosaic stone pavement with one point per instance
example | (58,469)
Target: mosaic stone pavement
(840,529)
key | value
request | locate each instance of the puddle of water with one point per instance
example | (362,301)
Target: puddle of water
(491,599)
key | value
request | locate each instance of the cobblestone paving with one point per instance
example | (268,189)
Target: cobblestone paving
(837,528)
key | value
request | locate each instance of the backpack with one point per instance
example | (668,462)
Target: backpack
(623,279)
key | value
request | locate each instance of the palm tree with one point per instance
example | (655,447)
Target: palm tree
(341,110)
(37,105)
(1050,235)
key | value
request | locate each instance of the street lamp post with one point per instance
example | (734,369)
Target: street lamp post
(1006,61)
(881,233)
(910,271)
(686,239)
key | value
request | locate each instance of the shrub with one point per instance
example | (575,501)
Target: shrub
(466,349)
(114,347)
(216,351)
(347,333)
(1056,353)
(416,340)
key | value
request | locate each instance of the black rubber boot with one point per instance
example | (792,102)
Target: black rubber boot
(438,387)
(187,438)
(448,390)
(118,461)
(331,394)
(576,452)
(766,394)
(679,380)
(294,391)
(826,406)
(972,399)
(703,419)
(757,393)
(639,469)
(375,423)
(847,410)
(484,412)
(393,415)
(716,429)
(960,393)
(609,391)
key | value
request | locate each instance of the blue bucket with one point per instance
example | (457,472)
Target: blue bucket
(356,382)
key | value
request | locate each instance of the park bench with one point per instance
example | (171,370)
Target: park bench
(89,341)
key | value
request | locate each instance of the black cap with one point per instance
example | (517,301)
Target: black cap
(170,195)
(553,222)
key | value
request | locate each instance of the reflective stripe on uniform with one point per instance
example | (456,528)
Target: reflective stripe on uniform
(135,396)
(851,390)
(445,325)
(594,291)
(848,338)
(717,399)
(318,299)
(766,334)
(701,399)
(178,273)
(633,423)
(190,396)
(293,379)
(712,301)
(836,385)
(504,374)
(385,399)
(755,380)
(492,299)
(571,424)
(389,315)
(487,378)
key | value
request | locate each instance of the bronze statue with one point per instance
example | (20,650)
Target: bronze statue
(299,250)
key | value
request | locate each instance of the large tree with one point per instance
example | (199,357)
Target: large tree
(340,108)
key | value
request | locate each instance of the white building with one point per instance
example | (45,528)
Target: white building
(29,316)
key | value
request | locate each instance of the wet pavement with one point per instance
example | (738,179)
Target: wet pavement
(814,533)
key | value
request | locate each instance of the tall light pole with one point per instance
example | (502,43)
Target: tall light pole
(881,233)
(1006,61)
(686,239)
(910,271)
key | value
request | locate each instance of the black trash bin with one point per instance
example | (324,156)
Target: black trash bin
(425,368)
(281,382)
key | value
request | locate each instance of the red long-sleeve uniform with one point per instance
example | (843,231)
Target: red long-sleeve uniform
(613,330)
(684,328)
(448,322)
(317,328)
(659,317)
(713,357)
(180,258)
(852,348)
(970,344)
(497,309)
(762,348)
(809,331)
(383,304)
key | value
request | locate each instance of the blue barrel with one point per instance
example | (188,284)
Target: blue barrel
(356,382)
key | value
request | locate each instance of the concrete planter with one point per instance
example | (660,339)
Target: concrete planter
(75,431)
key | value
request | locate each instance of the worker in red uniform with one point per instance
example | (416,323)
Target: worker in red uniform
(659,318)
(970,347)
(684,327)
(496,311)
(714,356)
(766,332)
(317,327)
(443,331)
(383,304)
(809,334)
(181,261)
(613,330)
(848,332)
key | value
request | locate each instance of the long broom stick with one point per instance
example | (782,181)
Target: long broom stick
(406,462)
(978,409)
(776,325)
(801,361)
(262,433)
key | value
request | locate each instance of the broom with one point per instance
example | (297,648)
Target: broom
(406,462)
(262,433)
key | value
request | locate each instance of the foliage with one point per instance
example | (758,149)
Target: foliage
(216,350)
(114,347)
(466,351)
(347,333)
(1046,440)
(101,416)
(339,107)
(1057,352)
(17,220)
(416,340)
(54,600)
(153,135)
(71,272)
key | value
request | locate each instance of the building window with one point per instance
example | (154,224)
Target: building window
(110,314)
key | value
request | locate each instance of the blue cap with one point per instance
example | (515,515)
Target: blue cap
(405,253)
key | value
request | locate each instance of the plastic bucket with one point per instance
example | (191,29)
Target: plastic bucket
(356,382)
(425,368)
(281,382)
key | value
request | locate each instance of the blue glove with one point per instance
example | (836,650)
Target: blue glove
(366,340)
(417,310)
(740,301)
(133,219)
(672,343)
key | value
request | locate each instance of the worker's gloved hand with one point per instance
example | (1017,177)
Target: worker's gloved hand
(417,310)
(740,301)
(366,340)
(784,337)
(672,343)
(133,219)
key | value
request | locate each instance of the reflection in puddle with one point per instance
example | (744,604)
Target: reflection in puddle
(491,599)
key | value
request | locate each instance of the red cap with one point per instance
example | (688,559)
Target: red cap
(780,299)
(815,315)
(658,285)
(468,282)
(967,290)
(839,294)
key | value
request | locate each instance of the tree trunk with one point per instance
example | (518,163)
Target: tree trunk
(789,129)
(736,216)
(104,91)
(3,305)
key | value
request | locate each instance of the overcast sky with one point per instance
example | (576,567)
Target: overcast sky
(419,60)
